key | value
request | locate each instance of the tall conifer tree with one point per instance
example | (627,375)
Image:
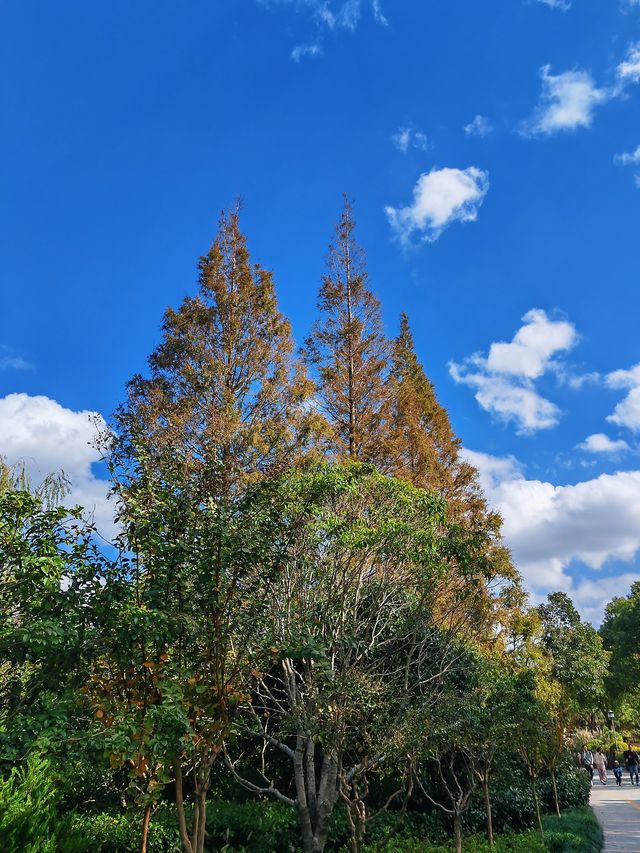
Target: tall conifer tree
(348,349)
(223,406)
(224,396)
(421,445)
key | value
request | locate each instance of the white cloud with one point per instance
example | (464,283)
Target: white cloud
(503,380)
(478,126)
(628,71)
(327,15)
(599,443)
(509,401)
(9,360)
(557,4)
(532,347)
(627,412)
(48,438)
(440,197)
(632,159)
(567,102)
(549,527)
(302,50)
(405,138)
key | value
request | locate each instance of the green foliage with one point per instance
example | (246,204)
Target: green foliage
(30,818)
(608,741)
(620,637)
(576,831)
(119,832)
(579,660)
(528,842)
(573,789)
(251,827)
(47,578)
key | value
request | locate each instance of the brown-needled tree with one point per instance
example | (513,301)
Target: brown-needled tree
(348,350)
(223,407)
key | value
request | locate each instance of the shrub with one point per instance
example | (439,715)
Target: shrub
(576,831)
(528,842)
(119,832)
(255,826)
(573,789)
(30,819)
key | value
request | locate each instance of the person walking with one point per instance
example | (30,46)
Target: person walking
(600,760)
(617,772)
(633,760)
(587,762)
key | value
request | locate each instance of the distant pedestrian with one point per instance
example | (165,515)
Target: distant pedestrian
(632,765)
(617,772)
(600,760)
(587,763)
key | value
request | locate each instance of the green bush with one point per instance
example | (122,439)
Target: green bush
(576,831)
(255,826)
(119,832)
(573,789)
(30,817)
(528,842)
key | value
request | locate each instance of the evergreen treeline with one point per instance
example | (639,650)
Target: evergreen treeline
(309,604)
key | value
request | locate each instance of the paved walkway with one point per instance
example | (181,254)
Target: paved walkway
(618,810)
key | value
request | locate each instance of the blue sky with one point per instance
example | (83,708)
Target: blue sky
(491,150)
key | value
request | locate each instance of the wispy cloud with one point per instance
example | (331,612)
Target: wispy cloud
(327,15)
(440,197)
(303,50)
(563,5)
(504,379)
(628,71)
(632,159)
(406,137)
(568,101)
(627,412)
(9,360)
(478,126)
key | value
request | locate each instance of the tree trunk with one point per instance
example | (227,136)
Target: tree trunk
(457,832)
(554,786)
(145,828)
(199,839)
(487,808)
(182,822)
(536,803)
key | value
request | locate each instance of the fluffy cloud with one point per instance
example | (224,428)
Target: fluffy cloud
(533,345)
(627,412)
(406,137)
(549,527)
(503,380)
(478,126)
(568,101)
(48,438)
(440,197)
(601,444)
(628,71)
